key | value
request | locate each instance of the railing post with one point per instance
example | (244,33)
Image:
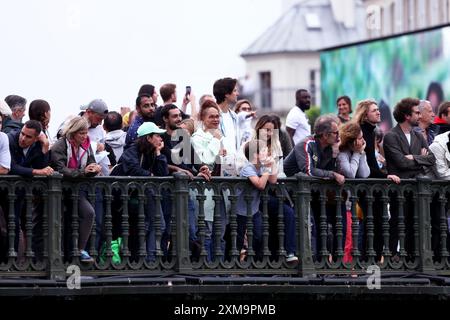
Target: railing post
(56,267)
(303,213)
(181,194)
(425,252)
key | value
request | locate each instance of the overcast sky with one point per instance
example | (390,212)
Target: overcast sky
(69,52)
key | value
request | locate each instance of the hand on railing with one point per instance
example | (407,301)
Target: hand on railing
(340,179)
(204,172)
(187,172)
(47,171)
(394,178)
(92,168)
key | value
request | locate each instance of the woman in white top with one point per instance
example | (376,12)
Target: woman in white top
(207,143)
(207,138)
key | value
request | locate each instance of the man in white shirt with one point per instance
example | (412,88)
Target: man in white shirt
(297,124)
(96,112)
(226,93)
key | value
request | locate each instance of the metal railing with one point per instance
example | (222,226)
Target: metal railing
(403,228)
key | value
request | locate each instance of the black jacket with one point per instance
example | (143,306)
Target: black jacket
(10,125)
(396,147)
(369,136)
(23,165)
(134,163)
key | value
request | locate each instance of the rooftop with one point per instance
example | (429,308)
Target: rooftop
(309,27)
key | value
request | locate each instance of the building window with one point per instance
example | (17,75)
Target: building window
(266,89)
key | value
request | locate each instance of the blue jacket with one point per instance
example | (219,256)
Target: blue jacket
(432,131)
(132,130)
(23,165)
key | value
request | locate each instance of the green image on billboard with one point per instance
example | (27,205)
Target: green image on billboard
(388,70)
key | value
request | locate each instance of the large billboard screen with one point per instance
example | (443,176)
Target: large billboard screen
(412,65)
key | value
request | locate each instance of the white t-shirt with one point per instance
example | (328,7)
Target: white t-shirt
(25,151)
(229,134)
(97,135)
(5,156)
(297,120)
(245,126)
(408,137)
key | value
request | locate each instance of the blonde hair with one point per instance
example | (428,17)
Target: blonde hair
(190,125)
(362,108)
(74,125)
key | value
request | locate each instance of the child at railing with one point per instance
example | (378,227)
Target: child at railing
(260,169)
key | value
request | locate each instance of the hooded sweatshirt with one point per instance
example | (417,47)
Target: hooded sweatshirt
(116,140)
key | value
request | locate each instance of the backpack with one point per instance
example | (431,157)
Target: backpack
(116,246)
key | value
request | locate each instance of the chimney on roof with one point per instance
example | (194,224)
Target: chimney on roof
(344,12)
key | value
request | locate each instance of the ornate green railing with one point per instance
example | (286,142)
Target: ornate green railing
(419,206)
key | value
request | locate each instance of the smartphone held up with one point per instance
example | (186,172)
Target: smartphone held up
(188,92)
